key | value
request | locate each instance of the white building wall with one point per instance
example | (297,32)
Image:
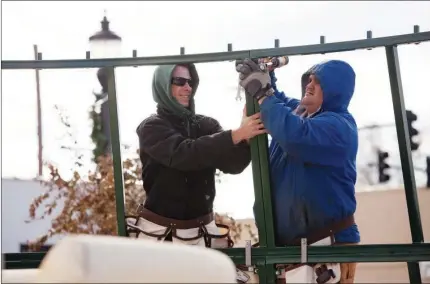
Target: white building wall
(16,197)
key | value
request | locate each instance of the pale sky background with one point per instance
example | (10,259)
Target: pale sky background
(61,30)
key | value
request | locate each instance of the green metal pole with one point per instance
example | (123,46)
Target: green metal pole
(258,195)
(262,274)
(116,153)
(269,269)
(405,156)
(266,189)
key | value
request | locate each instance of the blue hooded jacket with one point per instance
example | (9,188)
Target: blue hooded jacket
(312,160)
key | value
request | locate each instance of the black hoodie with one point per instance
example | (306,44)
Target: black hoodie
(180,152)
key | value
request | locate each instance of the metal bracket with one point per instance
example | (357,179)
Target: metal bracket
(304,250)
(248,255)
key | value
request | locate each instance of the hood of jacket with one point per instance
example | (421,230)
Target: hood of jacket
(337,79)
(162,90)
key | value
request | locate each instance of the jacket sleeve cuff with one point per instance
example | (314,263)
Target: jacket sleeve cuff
(227,139)
(269,101)
(273,79)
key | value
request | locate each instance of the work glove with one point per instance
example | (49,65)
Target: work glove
(253,79)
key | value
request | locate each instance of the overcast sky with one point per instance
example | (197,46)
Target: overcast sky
(61,30)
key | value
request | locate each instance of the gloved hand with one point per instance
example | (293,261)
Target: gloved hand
(255,81)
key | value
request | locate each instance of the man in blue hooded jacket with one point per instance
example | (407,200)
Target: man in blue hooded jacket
(312,153)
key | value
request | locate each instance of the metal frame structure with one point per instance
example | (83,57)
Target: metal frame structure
(267,255)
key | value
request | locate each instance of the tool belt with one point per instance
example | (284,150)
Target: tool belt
(172,225)
(320,234)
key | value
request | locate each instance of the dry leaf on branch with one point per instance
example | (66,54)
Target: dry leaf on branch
(89,203)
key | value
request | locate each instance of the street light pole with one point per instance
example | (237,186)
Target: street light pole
(39,116)
(104,44)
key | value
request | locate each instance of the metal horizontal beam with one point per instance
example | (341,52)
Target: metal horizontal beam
(33,260)
(24,264)
(359,253)
(342,46)
(356,253)
(27,256)
(218,56)
(123,62)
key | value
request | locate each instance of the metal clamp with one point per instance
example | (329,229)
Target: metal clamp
(248,256)
(304,250)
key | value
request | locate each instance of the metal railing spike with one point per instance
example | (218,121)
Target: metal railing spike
(369,36)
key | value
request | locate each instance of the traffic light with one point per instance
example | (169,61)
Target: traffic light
(382,166)
(428,171)
(411,117)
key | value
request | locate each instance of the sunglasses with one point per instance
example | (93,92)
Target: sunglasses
(179,81)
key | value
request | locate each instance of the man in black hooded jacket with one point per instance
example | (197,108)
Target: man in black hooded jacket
(180,152)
